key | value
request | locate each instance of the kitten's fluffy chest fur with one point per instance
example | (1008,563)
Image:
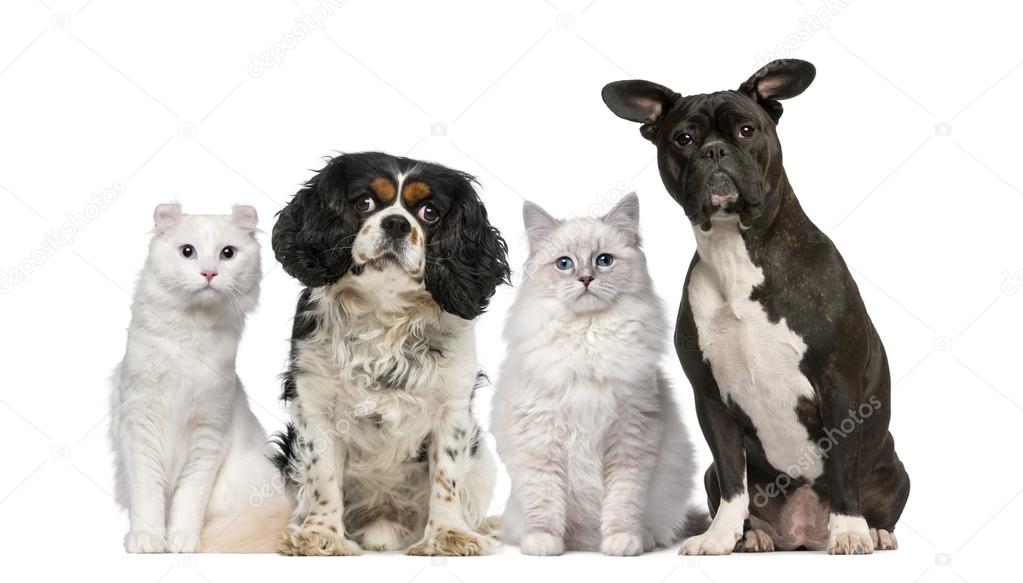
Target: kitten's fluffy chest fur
(754,361)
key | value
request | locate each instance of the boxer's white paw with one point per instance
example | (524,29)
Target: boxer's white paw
(712,542)
(849,535)
(541,544)
(622,544)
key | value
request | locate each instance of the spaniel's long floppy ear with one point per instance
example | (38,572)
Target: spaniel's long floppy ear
(466,258)
(781,79)
(309,238)
(639,101)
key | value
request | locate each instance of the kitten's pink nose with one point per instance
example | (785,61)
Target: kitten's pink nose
(209,275)
(586,281)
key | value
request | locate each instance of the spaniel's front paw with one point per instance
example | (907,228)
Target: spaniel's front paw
(453,542)
(314,542)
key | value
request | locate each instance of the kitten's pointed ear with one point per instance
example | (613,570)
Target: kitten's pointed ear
(539,224)
(245,216)
(166,216)
(625,217)
(781,79)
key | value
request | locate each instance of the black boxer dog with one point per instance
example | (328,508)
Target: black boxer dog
(790,377)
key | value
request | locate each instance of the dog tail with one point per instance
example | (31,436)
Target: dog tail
(255,530)
(697,521)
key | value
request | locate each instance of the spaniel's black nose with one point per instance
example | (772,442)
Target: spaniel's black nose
(396,226)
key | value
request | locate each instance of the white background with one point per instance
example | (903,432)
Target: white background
(905,151)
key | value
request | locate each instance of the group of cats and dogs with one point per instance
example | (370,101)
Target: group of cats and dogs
(397,258)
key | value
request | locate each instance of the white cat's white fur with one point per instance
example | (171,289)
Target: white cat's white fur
(585,421)
(190,456)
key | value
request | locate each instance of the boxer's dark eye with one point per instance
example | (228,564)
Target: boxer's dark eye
(747,131)
(684,139)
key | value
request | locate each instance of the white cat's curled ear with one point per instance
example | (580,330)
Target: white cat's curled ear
(244,216)
(166,216)
(625,217)
(539,224)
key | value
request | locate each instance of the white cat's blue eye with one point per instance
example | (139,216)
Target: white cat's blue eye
(187,251)
(564,263)
(605,260)
(228,252)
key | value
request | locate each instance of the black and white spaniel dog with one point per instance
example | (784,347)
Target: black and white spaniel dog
(383,452)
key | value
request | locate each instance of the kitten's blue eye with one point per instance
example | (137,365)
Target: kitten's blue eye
(564,263)
(228,252)
(605,260)
(187,251)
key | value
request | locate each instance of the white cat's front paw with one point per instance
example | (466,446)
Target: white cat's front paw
(183,542)
(622,544)
(849,535)
(711,543)
(541,544)
(143,542)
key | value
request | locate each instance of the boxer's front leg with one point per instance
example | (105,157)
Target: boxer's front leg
(848,533)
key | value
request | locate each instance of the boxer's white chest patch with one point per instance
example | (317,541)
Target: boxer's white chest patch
(754,361)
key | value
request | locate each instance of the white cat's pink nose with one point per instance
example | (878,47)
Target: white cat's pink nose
(209,275)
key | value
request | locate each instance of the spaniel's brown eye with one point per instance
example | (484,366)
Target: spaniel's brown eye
(684,139)
(366,204)
(746,131)
(428,214)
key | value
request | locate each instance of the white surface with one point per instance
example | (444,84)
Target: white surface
(152,102)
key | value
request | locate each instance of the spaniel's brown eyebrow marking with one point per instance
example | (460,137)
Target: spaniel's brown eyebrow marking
(414,192)
(383,188)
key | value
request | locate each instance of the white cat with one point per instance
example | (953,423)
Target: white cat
(584,420)
(191,463)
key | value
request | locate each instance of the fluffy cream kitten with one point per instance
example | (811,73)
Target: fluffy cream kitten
(585,422)
(190,455)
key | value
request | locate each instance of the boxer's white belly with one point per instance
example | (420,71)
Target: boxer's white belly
(754,361)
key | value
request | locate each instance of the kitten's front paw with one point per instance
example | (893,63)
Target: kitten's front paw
(541,544)
(183,542)
(453,542)
(711,543)
(143,542)
(622,544)
(312,543)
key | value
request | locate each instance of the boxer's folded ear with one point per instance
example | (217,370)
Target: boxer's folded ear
(781,79)
(639,101)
